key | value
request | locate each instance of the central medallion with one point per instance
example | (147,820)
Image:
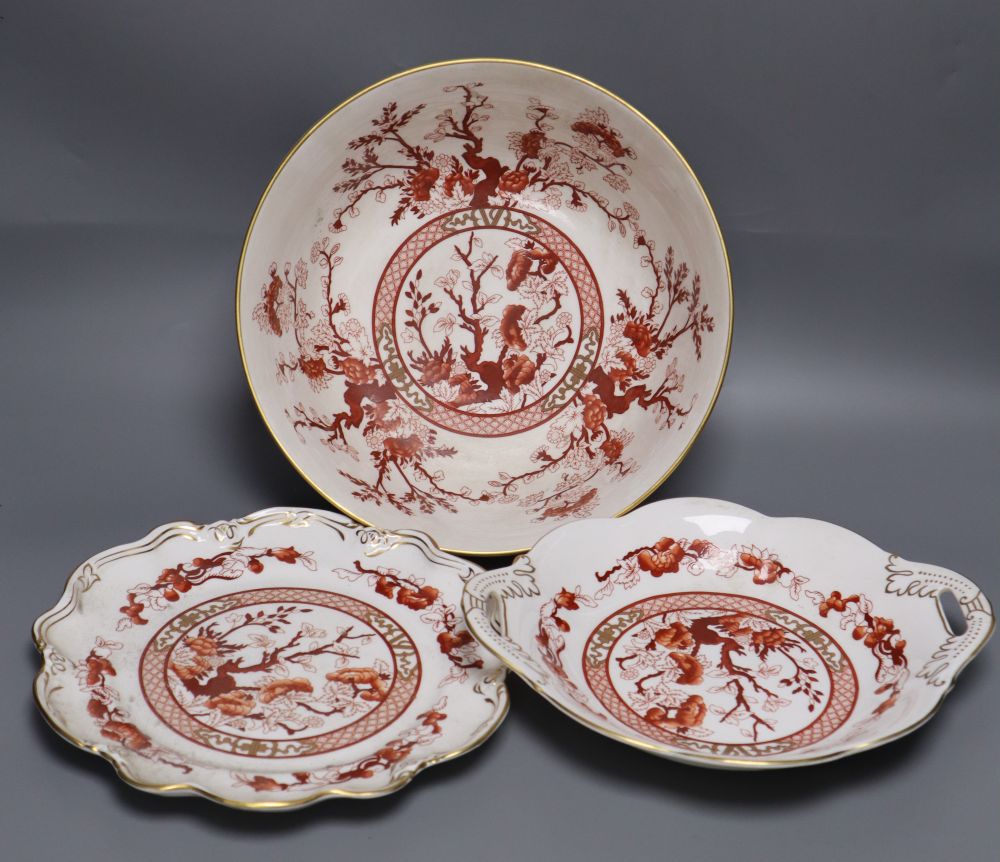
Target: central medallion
(280,672)
(487,321)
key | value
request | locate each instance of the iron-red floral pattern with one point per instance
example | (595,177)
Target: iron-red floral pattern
(681,669)
(488,329)
(453,639)
(280,672)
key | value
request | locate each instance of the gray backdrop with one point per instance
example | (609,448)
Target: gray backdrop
(851,152)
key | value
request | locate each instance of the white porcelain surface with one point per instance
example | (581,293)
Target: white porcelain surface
(268,662)
(486,297)
(709,633)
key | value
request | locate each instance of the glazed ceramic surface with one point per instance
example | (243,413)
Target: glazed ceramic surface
(268,662)
(488,297)
(709,633)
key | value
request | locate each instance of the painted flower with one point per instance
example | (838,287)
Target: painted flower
(191,671)
(700,547)
(880,628)
(627,371)
(510,327)
(394,752)
(665,556)
(97,708)
(232,703)
(201,645)
(766,568)
(530,143)
(286,555)
(283,687)
(422,181)
(432,719)
(417,599)
(385,586)
(133,610)
(640,336)
(602,135)
(97,669)
(570,507)
(734,624)
(404,448)
(675,636)
(768,639)
(513,182)
(691,713)
(451,641)
(836,602)
(263,784)
(313,367)
(518,268)
(467,393)
(612,448)
(435,370)
(380,416)
(269,301)
(357,372)
(566,599)
(518,370)
(460,178)
(594,412)
(127,734)
(359,676)
(691,670)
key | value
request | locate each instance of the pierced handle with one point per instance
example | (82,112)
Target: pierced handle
(484,603)
(927,581)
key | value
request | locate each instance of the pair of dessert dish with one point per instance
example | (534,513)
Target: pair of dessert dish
(488,300)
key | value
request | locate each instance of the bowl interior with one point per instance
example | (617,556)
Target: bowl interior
(484,297)
(710,633)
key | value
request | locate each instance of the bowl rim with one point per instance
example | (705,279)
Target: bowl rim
(392,538)
(716,761)
(457,62)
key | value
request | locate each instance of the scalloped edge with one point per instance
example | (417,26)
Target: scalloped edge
(389,540)
(709,760)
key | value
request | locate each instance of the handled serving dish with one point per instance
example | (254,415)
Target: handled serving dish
(487,296)
(709,633)
(268,662)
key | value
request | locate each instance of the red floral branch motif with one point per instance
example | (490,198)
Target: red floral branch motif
(879,634)
(735,636)
(176,580)
(381,760)
(472,377)
(730,632)
(103,706)
(337,347)
(455,642)
(212,667)
(638,344)
(549,170)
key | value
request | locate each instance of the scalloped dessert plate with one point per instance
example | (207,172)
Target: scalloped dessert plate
(487,296)
(708,633)
(268,662)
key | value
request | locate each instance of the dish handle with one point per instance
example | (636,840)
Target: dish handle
(922,580)
(485,602)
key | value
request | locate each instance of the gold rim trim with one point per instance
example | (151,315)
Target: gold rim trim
(413,537)
(438,65)
(711,760)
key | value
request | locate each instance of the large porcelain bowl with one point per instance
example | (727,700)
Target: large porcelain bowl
(485,296)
